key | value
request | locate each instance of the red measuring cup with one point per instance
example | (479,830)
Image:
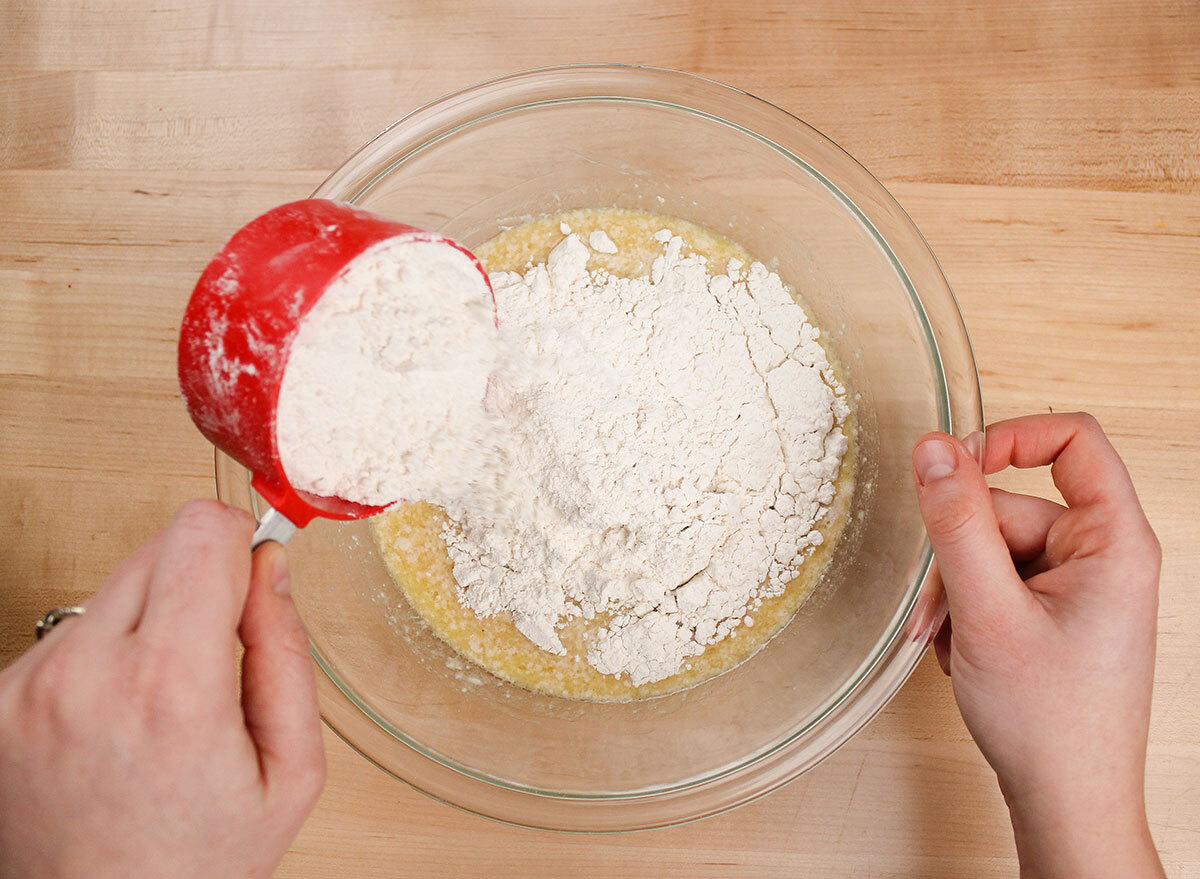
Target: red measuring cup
(238,328)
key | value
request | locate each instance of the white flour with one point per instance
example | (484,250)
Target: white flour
(380,400)
(669,442)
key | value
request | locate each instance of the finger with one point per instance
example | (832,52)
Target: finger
(199,582)
(1085,466)
(1024,522)
(982,586)
(117,604)
(279,695)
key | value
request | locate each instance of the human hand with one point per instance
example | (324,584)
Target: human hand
(1051,636)
(124,749)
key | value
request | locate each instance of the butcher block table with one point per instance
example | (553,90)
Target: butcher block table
(1050,153)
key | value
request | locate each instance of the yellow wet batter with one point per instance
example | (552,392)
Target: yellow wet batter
(410,542)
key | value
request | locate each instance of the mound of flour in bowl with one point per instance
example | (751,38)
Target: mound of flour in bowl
(658,451)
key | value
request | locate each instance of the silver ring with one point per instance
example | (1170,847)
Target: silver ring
(54,617)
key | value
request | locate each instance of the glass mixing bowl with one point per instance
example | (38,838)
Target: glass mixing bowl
(549,140)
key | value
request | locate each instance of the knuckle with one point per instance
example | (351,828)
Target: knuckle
(302,779)
(295,642)
(45,695)
(202,509)
(209,516)
(156,689)
(148,678)
(1087,422)
(171,716)
(310,775)
(953,518)
(52,674)
(1147,556)
(1154,547)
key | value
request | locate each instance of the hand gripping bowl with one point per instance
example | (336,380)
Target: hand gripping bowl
(549,140)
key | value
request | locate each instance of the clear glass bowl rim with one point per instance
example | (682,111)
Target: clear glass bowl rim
(878,678)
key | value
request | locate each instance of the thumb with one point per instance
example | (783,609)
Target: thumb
(983,588)
(279,696)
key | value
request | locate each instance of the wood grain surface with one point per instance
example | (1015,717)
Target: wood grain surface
(1049,151)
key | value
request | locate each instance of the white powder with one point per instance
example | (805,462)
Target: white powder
(601,243)
(657,450)
(675,440)
(381,397)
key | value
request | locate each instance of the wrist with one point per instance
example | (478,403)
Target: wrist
(1098,837)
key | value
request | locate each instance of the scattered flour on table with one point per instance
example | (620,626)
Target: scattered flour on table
(654,450)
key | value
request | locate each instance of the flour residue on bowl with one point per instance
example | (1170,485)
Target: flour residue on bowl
(675,436)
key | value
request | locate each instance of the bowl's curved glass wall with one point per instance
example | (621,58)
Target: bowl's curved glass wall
(587,137)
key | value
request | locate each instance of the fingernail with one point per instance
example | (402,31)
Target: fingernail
(934,459)
(281,581)
(974,444)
